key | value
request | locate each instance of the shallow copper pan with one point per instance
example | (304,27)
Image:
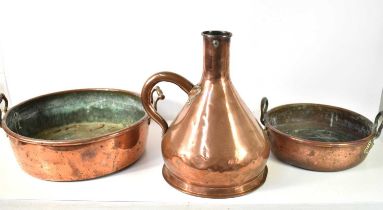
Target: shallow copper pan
(319,137)
(77,134)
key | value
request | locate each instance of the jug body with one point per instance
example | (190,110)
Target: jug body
(214,147)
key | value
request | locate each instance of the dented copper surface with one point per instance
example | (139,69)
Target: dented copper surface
(77,134)
(319,137)
(215,147)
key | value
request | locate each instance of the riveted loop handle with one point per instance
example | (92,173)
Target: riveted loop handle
(378,124)
(160,96)
(376,130)
(3,98)
(264,106)
(148,90)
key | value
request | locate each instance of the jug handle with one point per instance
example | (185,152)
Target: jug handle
(148,90)
(2,97)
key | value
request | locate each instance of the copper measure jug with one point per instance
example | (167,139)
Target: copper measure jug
(215,147)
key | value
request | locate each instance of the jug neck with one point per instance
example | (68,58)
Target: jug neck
(216,55)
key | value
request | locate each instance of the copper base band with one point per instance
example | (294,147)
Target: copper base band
(214,192)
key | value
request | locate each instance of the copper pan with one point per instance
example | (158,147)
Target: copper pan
(77,134)
(319,137)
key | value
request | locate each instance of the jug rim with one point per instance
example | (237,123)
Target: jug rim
(217,33)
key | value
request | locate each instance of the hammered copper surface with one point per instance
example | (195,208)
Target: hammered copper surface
(74,158)
(320,137)
(215,147)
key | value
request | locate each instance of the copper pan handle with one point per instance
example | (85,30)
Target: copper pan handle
(3,98)
(376,130)
(264,106)
(148,90)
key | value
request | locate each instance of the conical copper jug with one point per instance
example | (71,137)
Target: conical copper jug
(215,147)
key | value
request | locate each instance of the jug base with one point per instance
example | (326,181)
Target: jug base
(214,192)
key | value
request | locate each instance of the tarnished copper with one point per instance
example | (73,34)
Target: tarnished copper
(76,159)
(319,137)
(215,147)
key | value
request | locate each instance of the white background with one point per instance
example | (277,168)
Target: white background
(290,51)
(327,52)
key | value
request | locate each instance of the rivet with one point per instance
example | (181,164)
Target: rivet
(215,43)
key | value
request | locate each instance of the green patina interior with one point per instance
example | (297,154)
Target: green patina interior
(319,123)
(75,115)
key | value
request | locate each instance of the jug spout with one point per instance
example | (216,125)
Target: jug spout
(216,54)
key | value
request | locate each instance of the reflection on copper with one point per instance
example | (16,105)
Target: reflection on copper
(319,137)
(214,148)
(78,159)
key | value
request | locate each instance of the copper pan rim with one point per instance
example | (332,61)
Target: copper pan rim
(72,142)
(343,143)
